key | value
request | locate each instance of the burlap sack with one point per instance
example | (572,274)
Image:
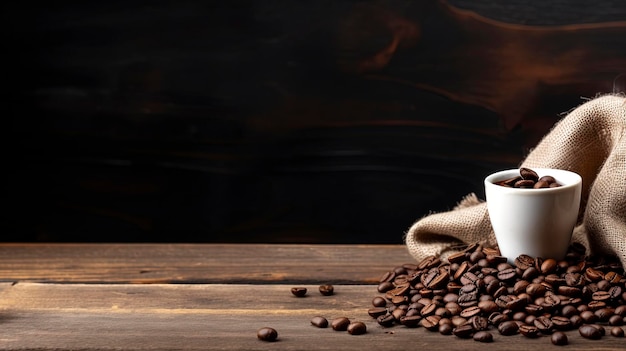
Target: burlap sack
(591,141)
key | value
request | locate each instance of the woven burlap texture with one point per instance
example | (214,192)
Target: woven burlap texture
(591,141)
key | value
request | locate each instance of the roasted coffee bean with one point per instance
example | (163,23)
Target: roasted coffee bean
(446,328)
(576,321)
(617,332)
(386,320)
(463,331)
(506,274)
(319,322)
(387,277)
(574,279)
(487,307)
(561,323)
(385,286)
(299,292)
(508,328)
(590,331)
(357,328)
(470,312)
(479,323)
(429,262)
(527,173)
(524,183)
(497,318)
(341,323)
(604,314)
(483,336)
(548,266)
(524,262)
(588,316)
(533,309)
(410,321)
(559,339)
(326,289)
(544,324)
(529,331)
(267,334)
(377,311)
(431,322)
(379,302)
(616,320)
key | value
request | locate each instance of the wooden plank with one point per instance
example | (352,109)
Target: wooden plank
(215,317)
(198,263)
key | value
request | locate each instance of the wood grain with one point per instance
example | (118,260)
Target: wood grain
(216,317)
(198,263)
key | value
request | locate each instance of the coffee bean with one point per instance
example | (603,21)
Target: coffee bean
(527,173)
(463,331)
(326,289)
(616,320)
(589,331)
(386,320)
(319,322)
(267,334)
(548,266)
(479,323)
(617,332)
(506,274)
(410,321)
(431,322)
(508,328)
(559,339)
(561,322)
(357,328)
(299,292)
(544,324)
(529,331)
(385,286)
(483,336)
(377,311)
(340,323)
(446,328)
(524,262)
(379,302)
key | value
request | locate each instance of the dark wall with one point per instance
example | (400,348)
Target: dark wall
(281,121)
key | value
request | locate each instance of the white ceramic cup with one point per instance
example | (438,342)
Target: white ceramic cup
(535,222)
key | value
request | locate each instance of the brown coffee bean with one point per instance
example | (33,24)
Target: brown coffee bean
(508,328)
(431,322)
(267,334)
(527,173)
(544,324)
(483,336)
(506,274)
(524,262)
(340,324)
(326,289)
(548,266)
(379,302)
(463,331)
(446,329)
(479,323)
(377,311)
(616,320)
(319,322)
(590,331)
(357,328)
(524,184)
(529,331)
(561,322)
(617,332)
(385,320)
(299,292)
(559,339)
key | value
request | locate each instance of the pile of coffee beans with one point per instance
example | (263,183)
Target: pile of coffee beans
(477,292)
(529,179)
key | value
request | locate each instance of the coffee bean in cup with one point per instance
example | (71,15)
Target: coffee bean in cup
(529,179)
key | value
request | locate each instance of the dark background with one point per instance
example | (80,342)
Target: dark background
(281,121)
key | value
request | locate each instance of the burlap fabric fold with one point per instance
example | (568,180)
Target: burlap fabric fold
(591,141)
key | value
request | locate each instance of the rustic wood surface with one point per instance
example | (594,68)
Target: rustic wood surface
(85,297)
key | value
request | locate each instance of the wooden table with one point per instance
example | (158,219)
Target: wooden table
(209,297)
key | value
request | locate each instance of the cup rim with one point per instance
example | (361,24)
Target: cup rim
(504,174)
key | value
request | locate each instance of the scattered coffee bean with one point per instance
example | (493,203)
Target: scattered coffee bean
(559,339)
(617,332)
(340,324)
(590,331)
(477,290)
(326,289)
(299,292)
(483,336)
(319,322)
(267,334)
(357,328)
